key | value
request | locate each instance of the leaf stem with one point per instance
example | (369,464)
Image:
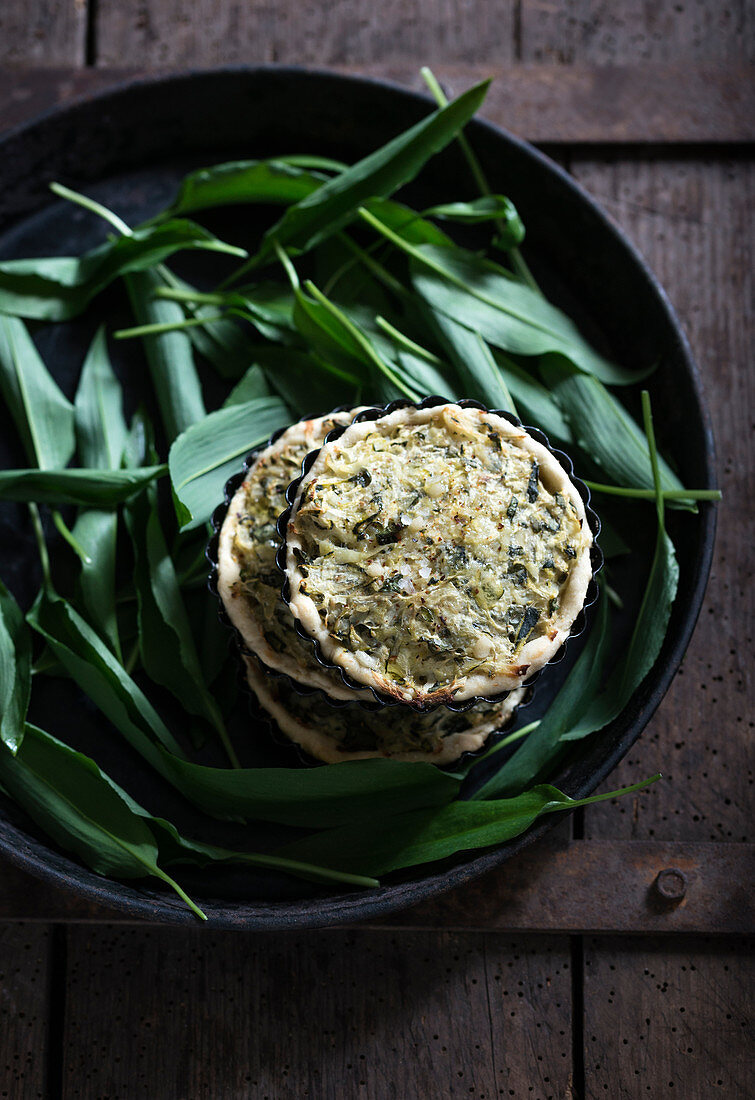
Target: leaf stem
(194,297)
(647,420)
(131,660)
(508,740)
(164,326)
(405,342)
(44,557)
(650,494)
(517,260)
(77,548)
(181,893)
(364,344)
(378,270)
(93,206)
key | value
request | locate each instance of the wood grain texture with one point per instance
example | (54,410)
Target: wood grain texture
(553,886)
(692,222)
(634,30)
(675,1022)
(43,32)
(25,962)
(303,32)
(330,1015)
(544,103)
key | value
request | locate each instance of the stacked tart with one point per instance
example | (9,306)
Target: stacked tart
(432,557)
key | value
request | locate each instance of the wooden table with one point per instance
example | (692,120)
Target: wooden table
(563,974)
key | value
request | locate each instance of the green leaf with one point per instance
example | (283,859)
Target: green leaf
(244,181)
(102,436)
(505,311)
(381,845)
(488,299)
(100,425)
(487,208)
(68,796)
(169,356)
(534,403)
(43,416)
(327,326)
(89,488)
(204,457)
(15,670)
(357,790)
(166,644)
(250,387)
(644,647)
(307,383)
(60,287)
(96,531)
(604,429)
(335,204)
(471,356)
(541,748)
(100,675)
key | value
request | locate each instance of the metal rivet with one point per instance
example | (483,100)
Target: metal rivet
(671,884)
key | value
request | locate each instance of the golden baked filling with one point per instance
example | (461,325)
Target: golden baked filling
(249,582)
(438,553)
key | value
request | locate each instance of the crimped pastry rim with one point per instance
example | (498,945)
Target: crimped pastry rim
(325,749)
(534,655)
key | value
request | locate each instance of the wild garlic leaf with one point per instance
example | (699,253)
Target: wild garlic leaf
(331,795)
(542,747)
(67,795)
(166,644)
(309,384)
(169,356)
(420,836)
(644,647)
(87,488)
(100,424)
(506,312)
(245,181)
(487,208)
(204,457)
(535,404)
(60,287)
(335,204)
(490,300)
(42,414)
(100,675)
(604,429)
(252,385)
(474,363)
(102,434)
(96,532)
(15,670)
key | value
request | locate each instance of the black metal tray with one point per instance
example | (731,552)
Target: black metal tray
(128,148)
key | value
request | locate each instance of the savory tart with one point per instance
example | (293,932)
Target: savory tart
(437,554)
(249,583)
(353,733)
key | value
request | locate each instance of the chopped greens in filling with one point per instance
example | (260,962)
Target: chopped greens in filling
(256,540)
(434,550)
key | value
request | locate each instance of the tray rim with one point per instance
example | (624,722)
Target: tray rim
(25,852)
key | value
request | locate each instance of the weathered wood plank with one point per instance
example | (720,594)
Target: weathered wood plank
(571,886)
(692,221)
(543,103)
(43,32)
(337,1014)
(633,30)
(160,33)
(676,1021)
(25,960)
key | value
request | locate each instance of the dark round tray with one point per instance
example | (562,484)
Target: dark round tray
(128,148)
